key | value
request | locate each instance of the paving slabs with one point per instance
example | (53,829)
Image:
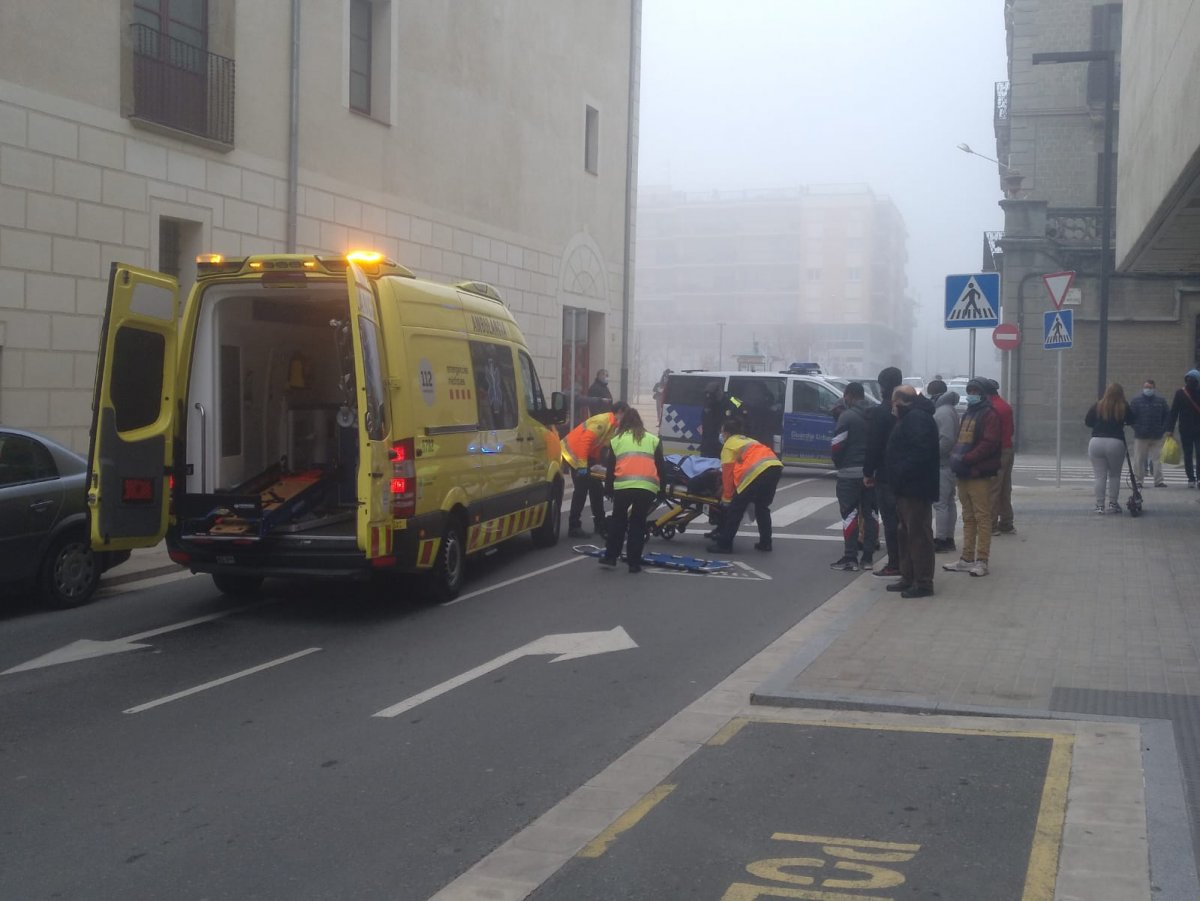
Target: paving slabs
(839,812)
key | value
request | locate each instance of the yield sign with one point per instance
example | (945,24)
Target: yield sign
(1058,284)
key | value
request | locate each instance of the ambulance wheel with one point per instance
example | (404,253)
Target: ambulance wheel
(237,586)
(450,565)
(546,535)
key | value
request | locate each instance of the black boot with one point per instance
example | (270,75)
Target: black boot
(600,526)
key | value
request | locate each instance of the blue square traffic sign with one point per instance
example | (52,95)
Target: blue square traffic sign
(1058,329)
(973,301)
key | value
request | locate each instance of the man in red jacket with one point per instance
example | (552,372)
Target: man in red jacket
(1002,511)
(975,459)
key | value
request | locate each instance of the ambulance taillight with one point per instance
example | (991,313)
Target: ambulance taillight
(404,479)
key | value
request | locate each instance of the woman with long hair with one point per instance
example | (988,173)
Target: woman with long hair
(1107,419)
(635,480)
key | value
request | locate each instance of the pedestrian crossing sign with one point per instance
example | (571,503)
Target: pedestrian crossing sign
(973,301)
(1059,329)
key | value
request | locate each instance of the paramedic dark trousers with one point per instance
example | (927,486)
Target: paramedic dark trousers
(631,506)
(586,489)
(856,502)
(761,493)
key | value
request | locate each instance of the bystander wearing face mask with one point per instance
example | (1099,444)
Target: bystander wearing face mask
(973,399)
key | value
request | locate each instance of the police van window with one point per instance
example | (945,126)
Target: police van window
(136,380)
(534,399)
(809,397)
(688,390)
(495,385)
(762,393)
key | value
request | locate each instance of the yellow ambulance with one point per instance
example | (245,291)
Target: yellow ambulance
(313,416)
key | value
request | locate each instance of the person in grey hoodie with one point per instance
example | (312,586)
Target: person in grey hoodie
(945,514)
(855,501)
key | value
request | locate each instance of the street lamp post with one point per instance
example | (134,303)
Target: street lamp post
(1108,57)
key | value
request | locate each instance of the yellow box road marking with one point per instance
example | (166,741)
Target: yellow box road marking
(626,821)
(1042,872)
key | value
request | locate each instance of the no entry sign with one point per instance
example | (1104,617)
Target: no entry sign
(1006,336)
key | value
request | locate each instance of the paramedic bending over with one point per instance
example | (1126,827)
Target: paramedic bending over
(750,472)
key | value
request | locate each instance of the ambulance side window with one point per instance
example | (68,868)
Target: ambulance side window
(495,385)
(534,399)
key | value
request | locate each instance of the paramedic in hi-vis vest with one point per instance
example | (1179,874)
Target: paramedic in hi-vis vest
(581,449)
(634,479)
(750,472)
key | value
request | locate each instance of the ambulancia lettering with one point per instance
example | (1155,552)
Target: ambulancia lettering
(486,325)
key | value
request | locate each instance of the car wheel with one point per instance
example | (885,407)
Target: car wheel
(450,566)
(237,586)
(547,534)
(70,572)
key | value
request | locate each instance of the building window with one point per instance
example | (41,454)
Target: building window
(854,274)
(1106,35)
(591,141)
(169,246)
(360,56)
(177,82)
(814,275)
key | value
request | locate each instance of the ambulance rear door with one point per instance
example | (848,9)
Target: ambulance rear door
(374,524)
(133,411)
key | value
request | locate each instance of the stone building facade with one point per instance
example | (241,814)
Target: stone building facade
(1050,122)
(810,274)
(472,140)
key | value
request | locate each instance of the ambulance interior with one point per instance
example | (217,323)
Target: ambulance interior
(272,440)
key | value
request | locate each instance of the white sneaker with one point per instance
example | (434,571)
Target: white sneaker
(958,566)
(978,568)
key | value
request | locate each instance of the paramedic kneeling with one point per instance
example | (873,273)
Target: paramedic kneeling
(750,472)
(634,479)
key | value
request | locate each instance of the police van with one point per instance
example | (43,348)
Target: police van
(313,416)
(793,409)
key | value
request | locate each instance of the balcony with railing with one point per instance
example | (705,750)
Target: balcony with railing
(182,86)
(1077,228)
(992,251)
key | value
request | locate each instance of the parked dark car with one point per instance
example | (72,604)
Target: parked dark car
(44,542)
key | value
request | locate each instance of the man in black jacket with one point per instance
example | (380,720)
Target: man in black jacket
(849,449)
(913,473)
(875,475)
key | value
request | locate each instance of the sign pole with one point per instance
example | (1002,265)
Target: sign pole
(1058,426)
(971,360)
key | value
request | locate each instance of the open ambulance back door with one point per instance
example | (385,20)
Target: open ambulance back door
(133,411)
(374,524)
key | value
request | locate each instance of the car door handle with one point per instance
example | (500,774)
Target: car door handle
(39,506)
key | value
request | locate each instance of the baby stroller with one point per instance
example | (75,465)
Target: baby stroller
(692,484)
(1134,501)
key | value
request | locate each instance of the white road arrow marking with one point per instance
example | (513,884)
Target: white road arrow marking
(86,648)
(567,646)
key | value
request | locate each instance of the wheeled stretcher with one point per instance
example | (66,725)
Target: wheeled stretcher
(693,487)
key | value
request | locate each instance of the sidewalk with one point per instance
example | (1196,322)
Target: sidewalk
(1087,615)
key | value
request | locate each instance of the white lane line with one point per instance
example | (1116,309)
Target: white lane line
(794,484)
(777,535)
(798,510)
(213,684)
(837,526)
(505,584)
(750,569)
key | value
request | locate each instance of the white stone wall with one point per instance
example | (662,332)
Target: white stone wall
(478,174)
(1160,69)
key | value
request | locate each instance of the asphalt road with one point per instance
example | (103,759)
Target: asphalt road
(120,780)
